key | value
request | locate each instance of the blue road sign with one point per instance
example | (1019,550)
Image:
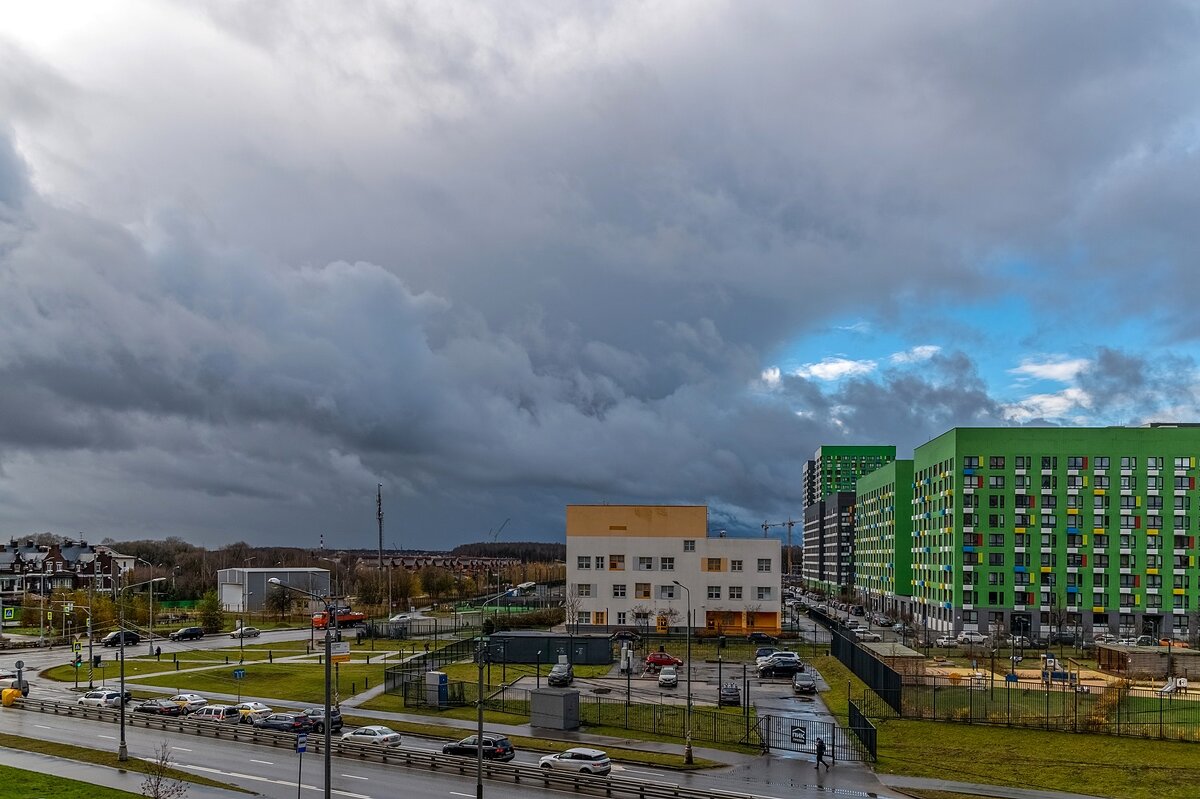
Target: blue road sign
(239,674)
(302,742)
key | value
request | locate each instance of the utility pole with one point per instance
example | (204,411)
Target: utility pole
(379,515)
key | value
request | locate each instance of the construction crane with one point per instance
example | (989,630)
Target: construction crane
(495,535)
(789,524)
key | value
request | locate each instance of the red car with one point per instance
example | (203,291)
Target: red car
(656,660)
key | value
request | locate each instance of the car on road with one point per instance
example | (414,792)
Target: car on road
(868,635)
(401,617)
(580,759)
(221,714)
(189,702)
(317,716)
(761,638)
(250,711)
(1019,640)
(114,638)
(187,634)
(246,632)
(804,683)
(159,707)
(668,677)
(374,734)
(730,695)
(561,675)
(100,699)
(495,747)
(656,660)
(285,722)
(946,641)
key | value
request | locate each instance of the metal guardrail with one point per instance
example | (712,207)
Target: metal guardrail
(408,758)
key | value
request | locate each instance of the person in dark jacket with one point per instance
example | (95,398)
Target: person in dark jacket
(821,755)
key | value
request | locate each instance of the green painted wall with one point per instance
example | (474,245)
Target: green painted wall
(883,531)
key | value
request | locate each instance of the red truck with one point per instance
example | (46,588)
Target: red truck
(345,618)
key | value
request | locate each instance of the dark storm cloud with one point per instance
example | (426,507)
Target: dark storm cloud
(1135,388)
(504,259)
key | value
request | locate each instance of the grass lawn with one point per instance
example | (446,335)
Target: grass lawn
(1123,768)
(109,673)
(294,682)
(103,758)
(18,782)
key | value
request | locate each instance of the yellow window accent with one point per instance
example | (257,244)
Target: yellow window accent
(1151,571)
(1099,492)
(1046,569)
(1137,600)
(1192,460)
(1192,561)
(1097,609)
(1153,531)
(1072,511)
(1178,591)
(1098,530)
(1085,481)
(1020,529)
(1138,501)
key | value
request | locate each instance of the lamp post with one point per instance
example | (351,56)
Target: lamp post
(326,601)
(151,565)
(122,749)
(481,655)
(687,747)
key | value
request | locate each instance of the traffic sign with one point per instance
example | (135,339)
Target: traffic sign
(799,735)
(77,646)
(69,607)
(239,674)
(302,742)
(340,652)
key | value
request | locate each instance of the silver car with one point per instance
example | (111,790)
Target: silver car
(580,759)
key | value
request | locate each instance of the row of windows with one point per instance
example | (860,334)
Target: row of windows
(1097,502)
(1073,462)
(665,563)
(1100,541)
(1179,601)
(645,591)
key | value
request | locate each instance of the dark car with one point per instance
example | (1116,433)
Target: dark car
(761,638)
(114,638)
(187,634)
(730,695)
(561,675)
(785,668)
(159,707)
(285,722)
(495,747)
(626,635)
(804,683)
(1061,637)
(317,716)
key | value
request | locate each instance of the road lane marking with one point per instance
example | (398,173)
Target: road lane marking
(264,762)
(181,749)
(257,778)
(43,726)
(456,793)
(355,777)
(109,737)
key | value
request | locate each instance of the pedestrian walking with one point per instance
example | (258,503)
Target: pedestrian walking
(821,755)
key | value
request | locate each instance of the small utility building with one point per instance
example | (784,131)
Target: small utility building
(245,590)
(533,646)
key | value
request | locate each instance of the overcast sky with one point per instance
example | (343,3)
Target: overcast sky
(502,257)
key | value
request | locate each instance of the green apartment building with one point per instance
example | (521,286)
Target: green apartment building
(1034,529)
(833,469)
(883,538)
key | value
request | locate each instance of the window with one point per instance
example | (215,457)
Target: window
(735,565)
(714,592)
(996,540)
(1021,578)
(1182,463)
(969,519)
(689,545)
(1049,559)
(714,564)
(584,562)
(619,590)
(970,578)
(666,592)
(1023,461)
(1099,600)
(1049,482)
(995,481)
(1075,462)
(1181,503)
(1128,482)
(1101,481)
(1021,540)
(1050,501)
(1100,561)
(970,461)
(583,617)
(995,558)
(1073,481)
(645,564)
(995,578)
(996,462)
(620,617)
(996,520)
(1049,540)
(599,561)
(667,564)
(764,564)
(1022,481)
(1154,521)
(1130,502)
(616,563)
(969,597)
(1154,483)
(1049,462)
(641,590)
(1151,462)
(995,598)
(583,589)
(996,500)
(764,592)
(1154,503)
(1100,462)
(1049,520)
(1021,559)
(1129,462)
(735,592)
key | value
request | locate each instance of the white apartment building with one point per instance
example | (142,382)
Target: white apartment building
(627,566)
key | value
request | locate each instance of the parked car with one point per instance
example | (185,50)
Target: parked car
(946,640)
(374,734)
(317,716)
(114,638)
(626,635)
(246,632)
(581,759)
(1146,640)
(1106,638)
(761,638)
(561,675)
(102,698)
(765,651)
(868,635)
(804,683)
(189,702)
(656,660)
(1175,642)
(159,707)
(972,637)
(1019,640)
(399,617)
(730,695)
(223,714)
(1062,637)
(285,722)
(495,747)
(187,634)
(781,668)
(776,657)
(668,677)
(253,710)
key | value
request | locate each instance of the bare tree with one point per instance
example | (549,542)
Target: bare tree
(572,602)
(160,782)
(751,611)
(641,618)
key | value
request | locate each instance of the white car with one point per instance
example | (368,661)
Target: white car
(580,759)
(189,702)
(776,657)
(971,637)
(947,640)
(253,710)
(374,734)
(867,635)
(101,699)
(401,617)
(246,632)
(668,677)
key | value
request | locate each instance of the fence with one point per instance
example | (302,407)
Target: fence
(863,729)
(396,677)
(879,677)
(1114,710)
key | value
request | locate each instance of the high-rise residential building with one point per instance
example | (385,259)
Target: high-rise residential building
(1030,530)
(883,538)
(627,566)
(829,543)
(837,468)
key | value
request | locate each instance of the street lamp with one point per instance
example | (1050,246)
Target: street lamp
(151,565)
(122,749)
(326,601)
(687,747)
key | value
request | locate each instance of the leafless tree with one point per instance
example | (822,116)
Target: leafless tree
(160,783)
(641,618)
(572,602)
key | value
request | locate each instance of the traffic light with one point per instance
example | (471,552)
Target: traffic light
(78,660)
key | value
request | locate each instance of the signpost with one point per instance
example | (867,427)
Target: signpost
(238,676)
(301,746)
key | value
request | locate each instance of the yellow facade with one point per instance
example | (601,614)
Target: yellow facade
(646,521)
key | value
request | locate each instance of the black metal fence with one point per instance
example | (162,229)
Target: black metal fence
(1113,710)
(879,676)
(395,678)
(863,729)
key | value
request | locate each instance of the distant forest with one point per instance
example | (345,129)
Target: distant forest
(525,551)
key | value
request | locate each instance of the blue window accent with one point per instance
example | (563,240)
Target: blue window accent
(946,605)
(1020,569)
(1072,589)
(1072,529)
(968,471)
(945,568)
(968,549)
